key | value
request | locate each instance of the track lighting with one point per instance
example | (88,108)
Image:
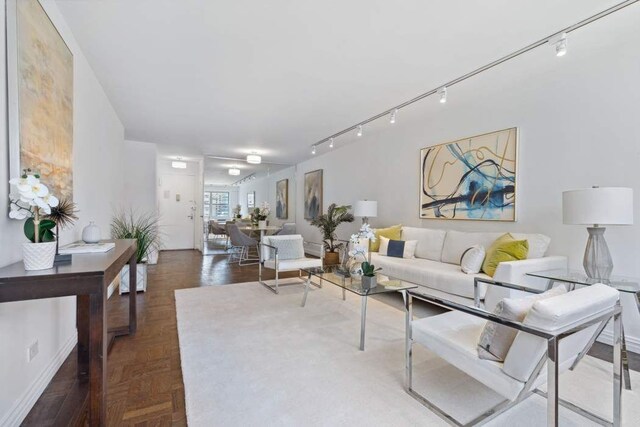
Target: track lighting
(313,150)
(392,119)
(443,94)
(254,159)
(331,143)
(561,45)
(359,133)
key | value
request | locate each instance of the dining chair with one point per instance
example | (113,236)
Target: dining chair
(242,243)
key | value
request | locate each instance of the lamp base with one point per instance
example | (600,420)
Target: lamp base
(597,259)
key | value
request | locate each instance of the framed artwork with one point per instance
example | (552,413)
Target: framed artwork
(251,200)
(312,194)
(40,95)
(282,199)
(472,178)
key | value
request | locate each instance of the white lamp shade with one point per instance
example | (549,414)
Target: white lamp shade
(602,206)
(366,208)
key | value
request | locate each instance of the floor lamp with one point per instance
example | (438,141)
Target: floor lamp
(596,207)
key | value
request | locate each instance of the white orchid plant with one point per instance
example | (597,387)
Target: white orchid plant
(358,247)
(236,211)
(262,212)
(31,201)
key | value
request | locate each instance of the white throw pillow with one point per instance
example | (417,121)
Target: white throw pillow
(397,248)
(472,259)
(495,339)
(538,243)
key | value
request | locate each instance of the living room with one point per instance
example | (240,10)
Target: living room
(192,115)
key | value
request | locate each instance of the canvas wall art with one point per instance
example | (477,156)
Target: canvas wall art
(312,194)
(251,200)
(282,199)
(472,178)
(40,88)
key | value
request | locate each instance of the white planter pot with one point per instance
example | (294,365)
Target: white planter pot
(38,256)
(141,278)
(262,224)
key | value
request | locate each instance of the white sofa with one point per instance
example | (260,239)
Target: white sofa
(436,265)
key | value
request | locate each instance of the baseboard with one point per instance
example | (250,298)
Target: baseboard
(633,343)
(21,409)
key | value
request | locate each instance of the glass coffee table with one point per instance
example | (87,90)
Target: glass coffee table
(623,284)
(385,284)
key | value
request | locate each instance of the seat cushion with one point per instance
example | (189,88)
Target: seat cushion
(293,264)
(289,246)
(456,242)
(430,241)
(453,337)
(432,274)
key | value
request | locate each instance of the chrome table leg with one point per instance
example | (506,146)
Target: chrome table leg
(625,361)
(307,284)
(363,321)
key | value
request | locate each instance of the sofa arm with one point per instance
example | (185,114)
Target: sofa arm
(516,272)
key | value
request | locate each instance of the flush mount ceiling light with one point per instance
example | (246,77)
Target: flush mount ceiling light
(234,171)
(254,159)
(179,164)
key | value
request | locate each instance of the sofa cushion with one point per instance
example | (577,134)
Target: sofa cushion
(432,274)
(538,243)
(456,242)
(394,233)
(293,264)
(504,249)
(430,241)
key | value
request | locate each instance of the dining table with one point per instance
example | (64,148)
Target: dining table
(269,229)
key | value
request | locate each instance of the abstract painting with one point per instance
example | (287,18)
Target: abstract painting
(312,194)
(472,178)
(251,200)
(282,199)
(40,87)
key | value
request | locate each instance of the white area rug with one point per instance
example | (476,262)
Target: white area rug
(252,358)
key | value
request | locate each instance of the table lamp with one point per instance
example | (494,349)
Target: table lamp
(366,209)
(596,207)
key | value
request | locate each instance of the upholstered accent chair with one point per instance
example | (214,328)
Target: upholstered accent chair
(556,332)
(288,228)
(285,253)
(241,245)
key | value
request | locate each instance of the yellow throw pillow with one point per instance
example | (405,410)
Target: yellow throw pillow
(504,249)
(392,233)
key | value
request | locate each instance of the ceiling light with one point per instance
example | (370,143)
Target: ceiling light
(392,119)
(331,143)
(313,150)
(234,171)
(443,94)
(359,133)
(178,165)
(561,45)
(254,159)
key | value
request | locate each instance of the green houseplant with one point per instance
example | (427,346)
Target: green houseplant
(328,223)
(369,275)
(144,228)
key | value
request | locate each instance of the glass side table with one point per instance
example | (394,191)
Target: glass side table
(623,284)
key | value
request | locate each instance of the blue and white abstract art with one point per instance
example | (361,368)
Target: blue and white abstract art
(472,178)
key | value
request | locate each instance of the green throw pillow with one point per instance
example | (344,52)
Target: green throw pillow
(392,233)
(504,249)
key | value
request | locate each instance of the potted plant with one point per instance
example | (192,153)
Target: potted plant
(360,245)
(32,201)
(144,228)
(369,279)
(261,214)
(328,223)
(236,212)
(63,216)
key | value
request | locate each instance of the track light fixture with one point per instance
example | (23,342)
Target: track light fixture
(331,143)
(359,133)
(392,119)
(313,150)
(561,45)
(443,94)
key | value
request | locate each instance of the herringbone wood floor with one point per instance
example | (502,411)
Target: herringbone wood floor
(144,376)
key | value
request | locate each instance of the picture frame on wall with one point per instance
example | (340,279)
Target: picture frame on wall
(470,179)
(251,199)
(282,199)
(40,116)
(312,194)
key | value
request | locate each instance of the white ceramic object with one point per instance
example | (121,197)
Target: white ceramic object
(262,224)
(91,233)
(38,256)
(141,278)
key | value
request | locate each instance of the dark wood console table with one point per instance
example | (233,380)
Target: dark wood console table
(87,277)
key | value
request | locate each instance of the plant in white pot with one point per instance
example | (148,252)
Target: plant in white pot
(144,228)
(32,201)
(261,214)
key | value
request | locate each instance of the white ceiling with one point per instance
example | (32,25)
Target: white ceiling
(230,77)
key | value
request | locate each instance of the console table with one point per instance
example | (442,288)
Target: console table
(87,277)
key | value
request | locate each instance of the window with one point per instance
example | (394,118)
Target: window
(216,205)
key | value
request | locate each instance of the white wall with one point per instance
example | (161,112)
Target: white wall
(578,122)
(98,139)
(140,180)
(265,189)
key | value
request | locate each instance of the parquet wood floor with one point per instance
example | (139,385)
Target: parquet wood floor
(144,376)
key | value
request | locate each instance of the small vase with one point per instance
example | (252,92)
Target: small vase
(262,224)
(91,233)
(38,256)
(369,282)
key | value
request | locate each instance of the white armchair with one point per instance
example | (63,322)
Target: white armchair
(285,253)
(573,319)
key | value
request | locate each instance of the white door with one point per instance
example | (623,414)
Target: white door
(177,205)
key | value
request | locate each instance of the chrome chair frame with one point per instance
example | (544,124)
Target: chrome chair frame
(274,288)
(550,357)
